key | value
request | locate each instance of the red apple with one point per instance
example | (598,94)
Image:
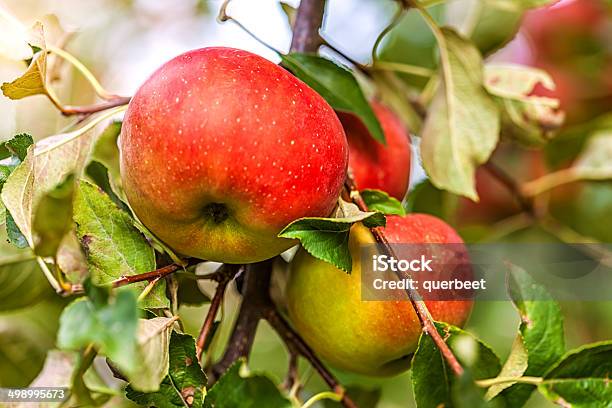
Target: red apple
(368,337)
(374,165)
(221,148)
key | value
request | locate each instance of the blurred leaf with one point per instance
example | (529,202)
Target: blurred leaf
(571,141)
(106,152)
(336,85)
(189,292)
(184,383)
(33,80)
(462,127)
(22,284)
(528,118)
(289,11)
(377,200)
(426,198)
(53,218)
(113,246)
(466,394)
(581,378)
(595,162)
(432,379)
(244,391)
(111,327)
(410,42)
(514,367)
(541,329)
(327,238)
(364,398)
(139,348)
(25,337)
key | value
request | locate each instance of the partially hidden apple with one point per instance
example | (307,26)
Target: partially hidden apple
(375,338)
(377,166)
(221,148)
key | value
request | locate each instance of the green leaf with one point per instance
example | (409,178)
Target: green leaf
(462,127)
(465,393)
(327,238)
(595,161)
(432,379)
(153,340)
(541,329)
(112,328)
(14,235)
(514,367)
(113,246)
(19,144)
(185,382)
(98,173)
(245,391)
(377,200)
(53,218)
(336,85)
(21,282)
(581,378)
(106,152)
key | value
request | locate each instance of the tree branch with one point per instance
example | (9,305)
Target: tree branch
(308,20)
(415,298)
(77,289)
(89,109)
(295,344)
(504,178)
(223,277)
(255,299)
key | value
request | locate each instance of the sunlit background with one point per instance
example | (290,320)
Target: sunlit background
(123,42)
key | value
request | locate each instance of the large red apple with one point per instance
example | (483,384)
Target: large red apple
(220,149)
(368,337)
(374,165)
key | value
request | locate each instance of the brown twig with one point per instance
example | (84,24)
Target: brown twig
(77,289)
(255,299)
(224,276)
(500,175)
(89,109)
(308,20)
(294,342)
(413,295)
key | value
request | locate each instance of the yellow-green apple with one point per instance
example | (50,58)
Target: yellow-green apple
(369,337)
(374,165)
(220,149)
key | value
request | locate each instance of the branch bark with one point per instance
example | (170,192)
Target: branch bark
(308,20)
(255,299)
(223,277)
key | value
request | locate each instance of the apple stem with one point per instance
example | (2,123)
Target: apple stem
(414,296)
(223,277)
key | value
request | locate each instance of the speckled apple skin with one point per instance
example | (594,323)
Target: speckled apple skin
(377,166)
(375,338)
(225,126)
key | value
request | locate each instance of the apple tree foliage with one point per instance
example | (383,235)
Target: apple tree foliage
(66,223)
